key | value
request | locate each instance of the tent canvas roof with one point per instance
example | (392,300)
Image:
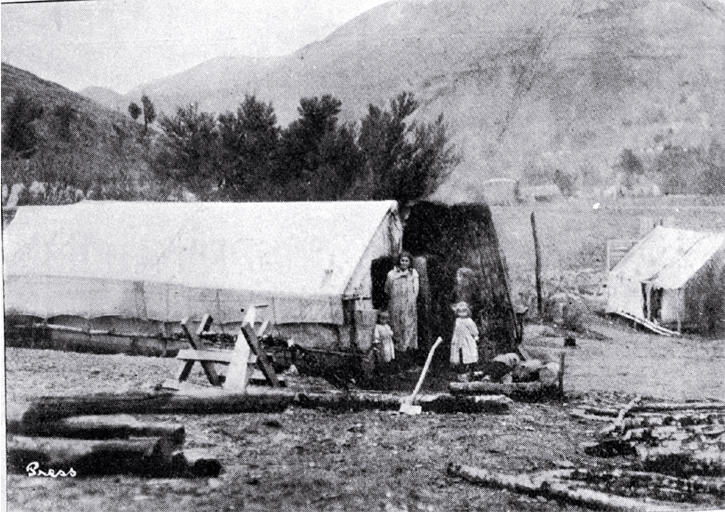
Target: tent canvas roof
(309,249)
(669,257)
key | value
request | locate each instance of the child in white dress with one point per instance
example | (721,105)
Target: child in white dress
(464,344)
(383,339)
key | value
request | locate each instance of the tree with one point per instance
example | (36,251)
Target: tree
(64,115)
(19,133)
(187,151)
(134,110)
(300,142)
(404,160)
(247,147)
(149,112)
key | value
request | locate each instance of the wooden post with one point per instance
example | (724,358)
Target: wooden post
(537,253)
(257,349)
(208,366)
(679,321)
(238,373)
(562,356)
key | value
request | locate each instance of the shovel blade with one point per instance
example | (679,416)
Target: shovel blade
(412,410)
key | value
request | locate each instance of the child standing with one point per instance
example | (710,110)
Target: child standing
(383,339)
(464,345)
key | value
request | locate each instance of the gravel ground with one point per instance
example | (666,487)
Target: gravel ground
(315,460)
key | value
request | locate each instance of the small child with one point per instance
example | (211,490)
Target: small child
(464,344)
(383,339)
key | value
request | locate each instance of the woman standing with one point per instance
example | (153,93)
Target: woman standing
(401,288)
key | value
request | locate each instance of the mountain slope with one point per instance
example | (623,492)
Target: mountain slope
(97,148)
(106,97)
(527,87)
(216,85)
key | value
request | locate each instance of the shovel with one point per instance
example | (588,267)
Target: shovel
(406,406)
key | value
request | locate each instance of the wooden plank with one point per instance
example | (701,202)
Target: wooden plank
(215,356)
(263,328)
(204,325)
(185,371)
(208,366)
(238,372)
(262,360)
(649,325)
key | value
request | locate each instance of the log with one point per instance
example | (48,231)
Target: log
(618,423)
(518,390)
(143,456)
(195,464)
(439,403)
(206,401)
(684,464)
(579,413)
(662,407)
(218,401)
(96,427)
(628,478)
(552,488)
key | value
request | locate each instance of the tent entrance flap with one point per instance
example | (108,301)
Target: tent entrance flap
(652,302)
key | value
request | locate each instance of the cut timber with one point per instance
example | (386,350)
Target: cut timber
(552,489)
(439,403)
(658,329)
(659,407)
(96,427)
(208,366)
(206,401)
(217,401)
(215,356)
(519,390)
(618,423)
(195,464)
(683,464)
(144,456)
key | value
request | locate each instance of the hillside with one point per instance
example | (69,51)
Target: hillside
(106,98)
(92,147)
(526,86)
(216,85)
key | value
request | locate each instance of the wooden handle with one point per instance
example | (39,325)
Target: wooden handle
(425,369)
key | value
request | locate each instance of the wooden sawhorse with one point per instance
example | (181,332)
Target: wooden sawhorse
(247,351)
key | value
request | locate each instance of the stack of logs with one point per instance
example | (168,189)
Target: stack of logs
(86,446)
(678,451)
(548,384)
(681,440)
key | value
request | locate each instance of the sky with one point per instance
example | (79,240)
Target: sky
(120,44)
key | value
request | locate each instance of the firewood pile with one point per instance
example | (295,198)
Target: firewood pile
(667,438)
(674,459)
(529,380)
(604,489)
(86,446)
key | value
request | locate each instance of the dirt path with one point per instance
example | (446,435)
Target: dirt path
(635,362)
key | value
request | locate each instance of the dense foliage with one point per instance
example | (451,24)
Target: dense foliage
(243,155)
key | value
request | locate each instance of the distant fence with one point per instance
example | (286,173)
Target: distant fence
(615,251)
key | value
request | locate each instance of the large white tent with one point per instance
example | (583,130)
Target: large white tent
(162,262)
(671,277)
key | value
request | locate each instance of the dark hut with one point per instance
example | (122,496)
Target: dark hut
(449,238)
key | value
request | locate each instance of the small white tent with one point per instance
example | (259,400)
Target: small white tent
(157,263)
(672,277)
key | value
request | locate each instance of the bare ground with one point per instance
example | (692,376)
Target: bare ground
(315,460)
